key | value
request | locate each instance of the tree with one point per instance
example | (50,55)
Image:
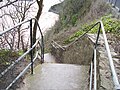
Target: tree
(40,5)
(19,12)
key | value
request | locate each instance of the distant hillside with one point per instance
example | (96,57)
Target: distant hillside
(77,12)
(74,14)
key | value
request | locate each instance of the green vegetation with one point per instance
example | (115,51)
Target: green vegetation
(74,19)
(73,11)
(7,56)
(111,25)
(73,37)
(4,57)
(20,52)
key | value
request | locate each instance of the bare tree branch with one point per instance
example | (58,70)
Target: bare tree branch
(8,4)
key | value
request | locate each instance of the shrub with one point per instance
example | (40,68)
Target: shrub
(7,56)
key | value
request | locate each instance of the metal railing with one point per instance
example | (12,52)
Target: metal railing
(115,3)
(54,44)
(94,62)
(93,65)
(39,42)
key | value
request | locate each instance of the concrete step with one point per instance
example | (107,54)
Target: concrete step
(57,77)
(49,58)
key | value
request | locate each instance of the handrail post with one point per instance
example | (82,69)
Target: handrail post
(42,51)
(91,75)
(95,70)
(31,44)
(30,51)
(42,44)
(98,34)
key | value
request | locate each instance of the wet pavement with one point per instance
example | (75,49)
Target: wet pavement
(49,76)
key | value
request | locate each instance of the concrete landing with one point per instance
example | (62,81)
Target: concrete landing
(48,58)
(57,77)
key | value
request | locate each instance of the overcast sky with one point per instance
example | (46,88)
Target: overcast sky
(47,19)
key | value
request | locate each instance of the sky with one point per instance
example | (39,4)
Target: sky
(47,19)
(49,3)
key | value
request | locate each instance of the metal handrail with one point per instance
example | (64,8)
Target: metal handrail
(115,78)
(93,64)
(23,72)
(114,75)
(38,41)
(56,44)
(65,46)
(16,61)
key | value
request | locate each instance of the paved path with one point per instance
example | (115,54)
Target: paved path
(57,77)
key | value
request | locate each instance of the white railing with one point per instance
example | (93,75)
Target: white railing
(94,62)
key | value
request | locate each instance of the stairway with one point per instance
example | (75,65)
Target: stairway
(54,76)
